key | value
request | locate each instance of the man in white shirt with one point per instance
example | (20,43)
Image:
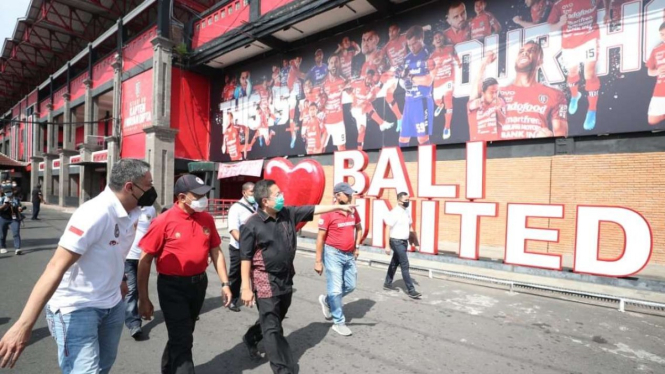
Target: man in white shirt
(82,283)
(401,227)
(132,317)
(238,215)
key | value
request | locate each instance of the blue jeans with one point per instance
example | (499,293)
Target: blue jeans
(341,275)
(401,259)
(87,338)
(16,232)
(132,317)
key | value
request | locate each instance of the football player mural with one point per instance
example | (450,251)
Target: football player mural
(520,70)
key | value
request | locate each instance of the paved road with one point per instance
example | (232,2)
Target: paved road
(455,328)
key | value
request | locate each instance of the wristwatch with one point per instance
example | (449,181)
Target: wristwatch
(225,285)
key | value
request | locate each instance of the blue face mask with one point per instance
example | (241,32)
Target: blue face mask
(279,203)
(251,200)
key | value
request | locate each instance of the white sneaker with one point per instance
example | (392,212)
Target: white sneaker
(3,250)
(324,307)
(446,134)
(18,252)
(342,329)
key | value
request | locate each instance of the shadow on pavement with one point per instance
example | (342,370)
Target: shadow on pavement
(236,360)
(4,320)
(38,335)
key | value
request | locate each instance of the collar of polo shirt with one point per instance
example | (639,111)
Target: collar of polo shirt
(116,204)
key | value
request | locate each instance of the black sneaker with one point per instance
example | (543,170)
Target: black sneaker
(414,294)
(252,350)
(136,333)
(234,308)
(389,287)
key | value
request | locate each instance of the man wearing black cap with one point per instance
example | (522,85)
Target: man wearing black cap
(341,233)
(181,239)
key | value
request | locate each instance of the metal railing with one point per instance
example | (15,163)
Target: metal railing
(219,208)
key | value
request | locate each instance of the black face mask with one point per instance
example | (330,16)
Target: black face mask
(148,198)
(405,204)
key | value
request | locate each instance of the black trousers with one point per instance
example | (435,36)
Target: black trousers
(234,274)
(35,209)
(181,299)
(269,329)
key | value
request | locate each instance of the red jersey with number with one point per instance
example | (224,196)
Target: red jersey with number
(340,230)
(313,132)
(530,109)
(443,61)
(581,26)
(482,122)
(456,37)
(333,87)
(657,60)
(396,51)
(483,25)
(363,96)
(232,143)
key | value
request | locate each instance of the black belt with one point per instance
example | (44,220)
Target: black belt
(400,240)
(192,279)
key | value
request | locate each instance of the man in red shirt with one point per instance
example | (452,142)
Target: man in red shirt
(231,143)
(539,9)
(333,86)
(656,66)
(577,21)
(364,91)
(485,107)
(532,110)
(181,240)
(456,17)
(444,60)
(346,51)
(342,234)
(380,60)
(313,132)
(484,23)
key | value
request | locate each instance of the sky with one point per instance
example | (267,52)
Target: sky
(10,10)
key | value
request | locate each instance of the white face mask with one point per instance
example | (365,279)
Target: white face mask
(199,205)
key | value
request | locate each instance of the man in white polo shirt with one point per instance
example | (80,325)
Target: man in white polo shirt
(82,282)
(239,212)
(401,227)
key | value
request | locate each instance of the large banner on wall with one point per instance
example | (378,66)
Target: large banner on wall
(450,72)
(136,103)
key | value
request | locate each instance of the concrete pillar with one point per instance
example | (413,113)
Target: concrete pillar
(37,154)
(91,114)
(160,153)
(51,129)
(160,137)
(113,142)
(67,148)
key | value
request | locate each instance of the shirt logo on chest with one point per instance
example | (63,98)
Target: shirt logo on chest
(206,231)
(113,243)
(177,235)
(117,231)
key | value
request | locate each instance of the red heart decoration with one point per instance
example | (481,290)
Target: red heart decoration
(303,184)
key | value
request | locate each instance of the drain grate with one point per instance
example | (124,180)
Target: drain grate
(621,303)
